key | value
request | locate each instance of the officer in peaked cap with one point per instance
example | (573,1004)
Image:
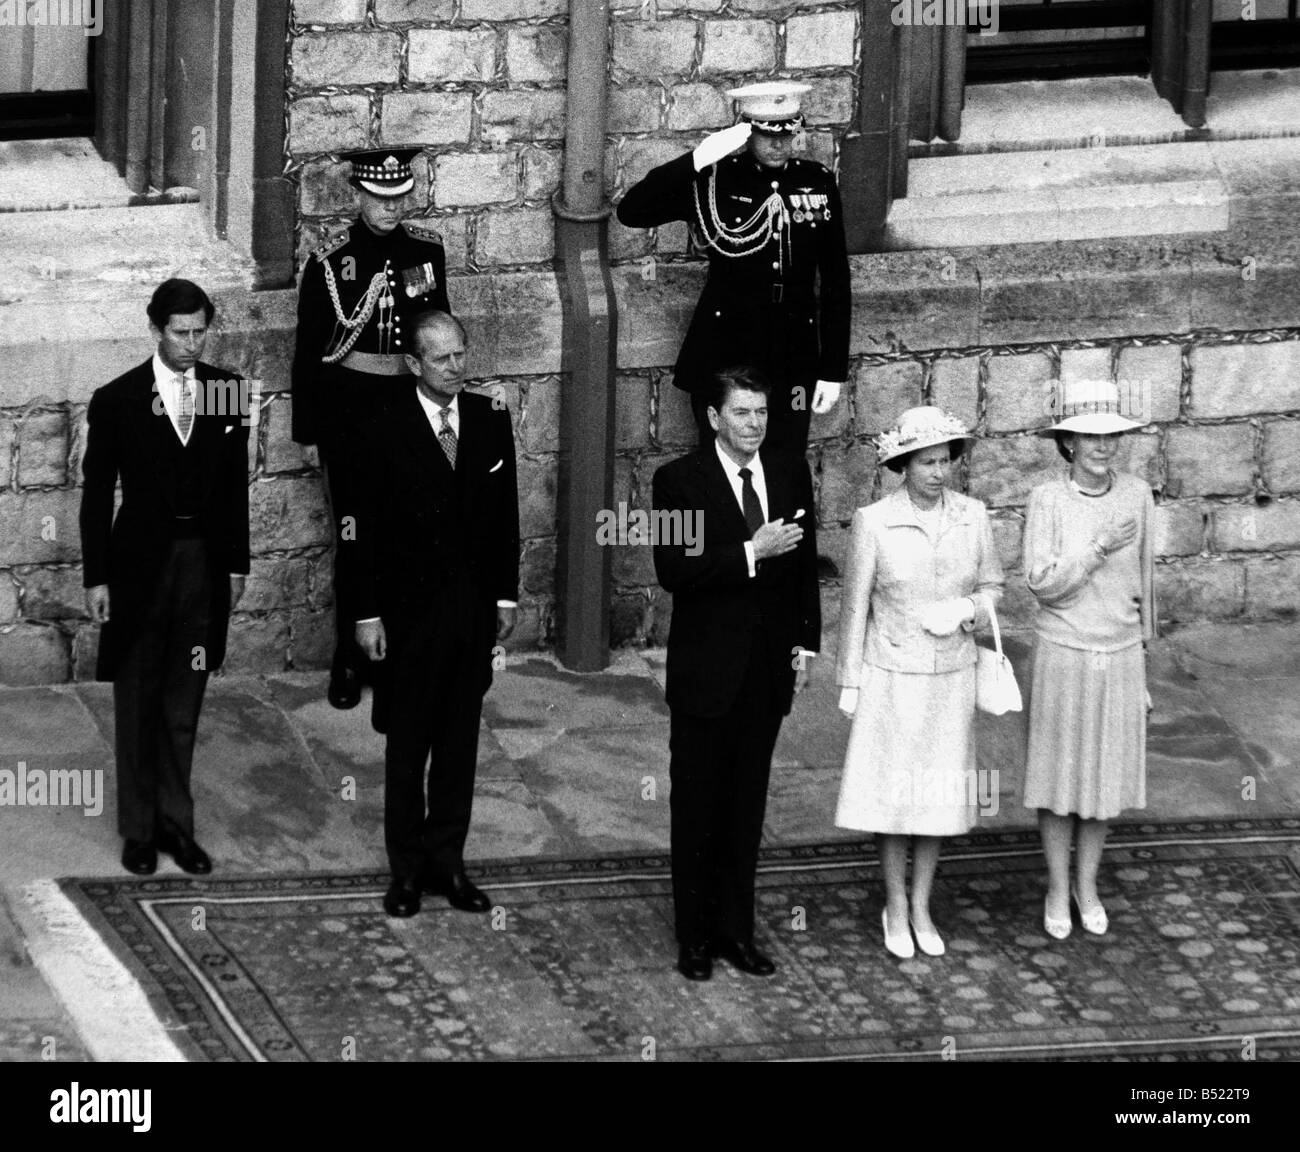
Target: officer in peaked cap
(777,295)
(359,292)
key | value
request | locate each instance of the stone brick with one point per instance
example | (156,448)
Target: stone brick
(311,639)
(469,178)
(673,238)
(543,170)
(345,58)
(452,229)
(405,11)
(33,654)
(85,651)
(662,7)
(8,438)
(1085,365)
(1154,375)
(537,479)
(438,55)
(632,565)
(288,513)
(282,454)
(1139,454)
(8,598)
(830,101)
(816,145)
(536,54)
(1018,391)
(537,566)
(635,108)
(1281,456)
(320,594)
(328,123)
(654,49)
(1243,379)
(257,645)
(53,593)
(695,105)
(538,428)
(820,40)
(39,527)
(760,5)
(954,387)
(1008,535)
(674,423)
(846,481)
(1179,529)
(1212,461)
(835,422)
(516,236)
(632,412)
(1003,472)
(639,156)
(738,46)
(532,115)
(324,189)
(511,9)
(881,393)
(1273,587)
(43,449)
(1246,528)
(430,117)
(1189,592)
(277,582)
(329,11)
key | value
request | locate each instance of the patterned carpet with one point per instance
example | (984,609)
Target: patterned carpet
(575,962)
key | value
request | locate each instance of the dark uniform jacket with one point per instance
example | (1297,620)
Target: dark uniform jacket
(132,439)
(719,610)
(759,307)
(412,265)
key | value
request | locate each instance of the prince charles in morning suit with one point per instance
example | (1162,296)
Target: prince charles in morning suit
(742,606)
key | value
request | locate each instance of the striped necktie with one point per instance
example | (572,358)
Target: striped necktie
(447,438)
(185,412)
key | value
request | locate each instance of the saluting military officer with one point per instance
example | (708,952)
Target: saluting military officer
(777,296)
(359,292)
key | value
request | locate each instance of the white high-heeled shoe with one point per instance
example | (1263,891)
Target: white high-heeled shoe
(1096,921)
(897,943)
(1056,929)
(931,943)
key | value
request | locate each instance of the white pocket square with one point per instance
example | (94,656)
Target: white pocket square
(229,428)
(495,467)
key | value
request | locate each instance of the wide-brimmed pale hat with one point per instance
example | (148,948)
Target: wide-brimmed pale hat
(771,105)
(1095,408)
(919,428)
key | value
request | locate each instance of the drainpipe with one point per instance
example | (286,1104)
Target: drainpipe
(590,335)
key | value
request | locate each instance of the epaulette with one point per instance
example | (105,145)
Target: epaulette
(422,230)
(330,246)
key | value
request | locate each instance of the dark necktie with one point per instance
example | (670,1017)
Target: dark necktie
(447,438)
(749,502)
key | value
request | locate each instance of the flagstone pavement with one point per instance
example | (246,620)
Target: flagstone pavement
(569,765)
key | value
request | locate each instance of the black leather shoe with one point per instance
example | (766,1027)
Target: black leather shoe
(695,963)
(744,957)
(345,687)
(459,890)
(403,897)
(188,855)
(140,857)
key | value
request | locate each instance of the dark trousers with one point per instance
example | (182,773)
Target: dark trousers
(429,704)
(719,769)
(340,486)
(157,696)
(787,425)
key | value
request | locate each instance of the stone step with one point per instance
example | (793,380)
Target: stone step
(46,175)
(1067,194)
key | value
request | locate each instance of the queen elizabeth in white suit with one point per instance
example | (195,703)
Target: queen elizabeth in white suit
(923,573)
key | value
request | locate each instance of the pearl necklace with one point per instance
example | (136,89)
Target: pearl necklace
(1082,491)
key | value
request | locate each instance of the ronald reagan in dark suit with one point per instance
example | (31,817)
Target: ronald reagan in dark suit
(163,576)
(743,606)
(435,566)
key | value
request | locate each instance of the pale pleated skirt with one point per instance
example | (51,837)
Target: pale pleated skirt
(1087,731)
(910,766)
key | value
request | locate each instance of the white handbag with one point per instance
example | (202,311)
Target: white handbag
(996,690)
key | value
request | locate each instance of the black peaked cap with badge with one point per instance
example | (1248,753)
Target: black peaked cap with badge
(360,290)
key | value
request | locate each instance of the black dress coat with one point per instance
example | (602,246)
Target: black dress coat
(128,439)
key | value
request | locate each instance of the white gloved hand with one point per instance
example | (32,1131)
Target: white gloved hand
(849,701)
(944,617)
(825,396)
(719,144)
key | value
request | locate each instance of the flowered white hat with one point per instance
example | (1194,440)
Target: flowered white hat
(1094,407)
(919,428)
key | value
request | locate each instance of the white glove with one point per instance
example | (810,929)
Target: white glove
(849,701)
(719,144)
(825,396)
(944,617)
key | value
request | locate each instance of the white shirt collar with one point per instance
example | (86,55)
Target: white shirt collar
(165,384)
(434,412)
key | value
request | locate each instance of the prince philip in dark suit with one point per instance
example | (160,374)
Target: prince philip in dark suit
(435,566)
(746,616)
(163,575)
